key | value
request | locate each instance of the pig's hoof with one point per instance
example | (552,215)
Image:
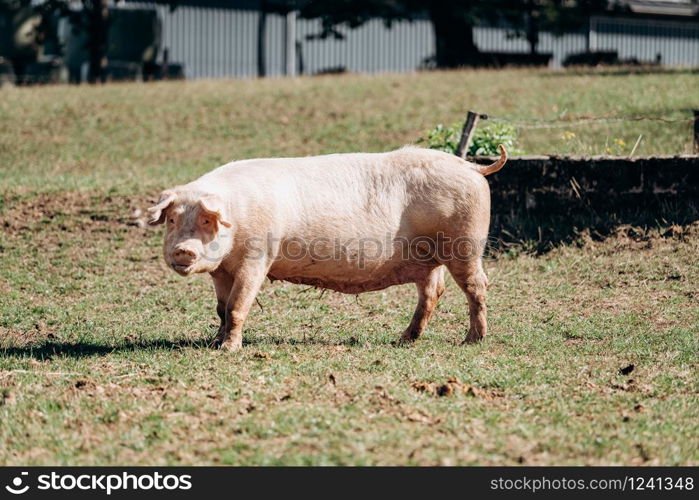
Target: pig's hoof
(407,339)
(472,339)
(231,345)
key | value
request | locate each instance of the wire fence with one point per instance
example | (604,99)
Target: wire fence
(473,144)
(535,124)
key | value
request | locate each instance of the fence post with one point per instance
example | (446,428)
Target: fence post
(165,70)
(696,131)
(467,132)
(592,34)
(290,43)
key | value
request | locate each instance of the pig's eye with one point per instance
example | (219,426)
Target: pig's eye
(171,220)
(206,222)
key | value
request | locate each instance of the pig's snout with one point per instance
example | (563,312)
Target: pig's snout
(183,257)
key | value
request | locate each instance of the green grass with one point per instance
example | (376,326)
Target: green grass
(134,136)
(103,351)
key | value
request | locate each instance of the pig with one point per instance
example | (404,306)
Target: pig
(351,223)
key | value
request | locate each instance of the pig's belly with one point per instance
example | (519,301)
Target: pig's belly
(352,277)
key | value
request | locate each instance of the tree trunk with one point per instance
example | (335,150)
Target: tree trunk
(453,33)
(532,27)
(98,30)
(261,35)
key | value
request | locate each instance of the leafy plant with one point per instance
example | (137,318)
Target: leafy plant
(485,140)
(442,138)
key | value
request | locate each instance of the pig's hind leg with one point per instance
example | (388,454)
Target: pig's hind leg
(469,275)
(429,291)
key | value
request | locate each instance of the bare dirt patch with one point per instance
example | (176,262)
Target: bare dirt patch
(73,211)
(453,387)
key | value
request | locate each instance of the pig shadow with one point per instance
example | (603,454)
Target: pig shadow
(49,350)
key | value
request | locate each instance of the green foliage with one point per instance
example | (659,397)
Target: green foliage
(485,140)
(443,138)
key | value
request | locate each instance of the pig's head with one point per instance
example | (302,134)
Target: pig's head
(198,232)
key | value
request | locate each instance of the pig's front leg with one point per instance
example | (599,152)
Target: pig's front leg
(247,280)
(223,283)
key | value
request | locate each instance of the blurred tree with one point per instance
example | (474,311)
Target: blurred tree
(95,21)
(97,16)
(24,27)
(261,29)
(93,18)
(529,17)
(452,20)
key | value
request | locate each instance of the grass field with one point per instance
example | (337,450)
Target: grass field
(103,351)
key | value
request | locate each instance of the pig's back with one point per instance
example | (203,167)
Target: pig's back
(371,189)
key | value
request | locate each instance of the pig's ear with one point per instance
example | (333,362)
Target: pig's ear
(213,205)
(158,211)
